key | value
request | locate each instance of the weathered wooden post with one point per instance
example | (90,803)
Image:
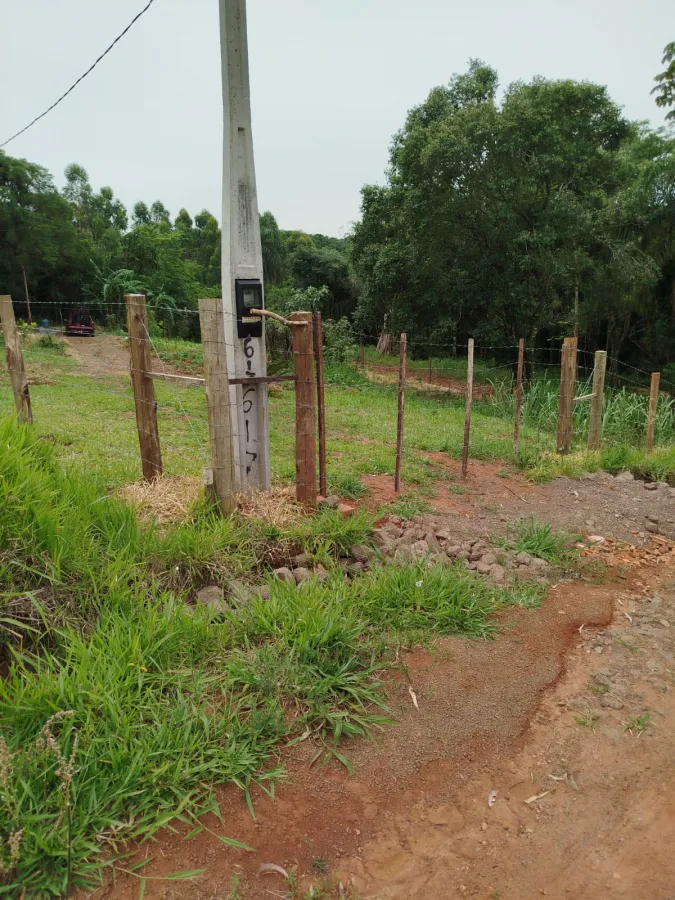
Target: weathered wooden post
(305,408)
(430,370)
(321,400)
(467,409)
(595,420)
(401,410)
(143,386)
(568,369)
(519,397)
(14,357)
(653,403)
(218,403)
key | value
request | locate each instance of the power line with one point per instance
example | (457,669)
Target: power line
(82,77)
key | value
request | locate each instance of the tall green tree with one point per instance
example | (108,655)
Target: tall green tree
(665,81)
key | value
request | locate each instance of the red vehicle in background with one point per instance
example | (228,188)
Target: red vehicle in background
(79,322)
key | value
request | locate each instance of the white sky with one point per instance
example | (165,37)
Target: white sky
(331,81)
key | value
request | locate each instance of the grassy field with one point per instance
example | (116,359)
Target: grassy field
(90,419)
(122,703)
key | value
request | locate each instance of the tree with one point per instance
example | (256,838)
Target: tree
(494,213)
(141,215)
(159,213)
(274,252)
(665,81)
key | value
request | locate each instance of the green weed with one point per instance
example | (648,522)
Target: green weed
(407,506)
(636,725)
(539,539)
(587,720)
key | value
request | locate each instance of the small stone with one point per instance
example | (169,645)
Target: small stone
(651,486)
(330,502)
(360,553)
(347,509)
(452,551)
(284,573)
(498,574)
(301,574)
(664,622)
(320,573)
(652,518)
(611,703)
(301,561)
(523,559)
(420,548)
(598,649)
(489,559)
(213,597)
(354,568)
(482,568)
(462,555)
(539,565)
(484,826)
(595,539)
(652,527)
(470,565)
(442,535)
(626,475)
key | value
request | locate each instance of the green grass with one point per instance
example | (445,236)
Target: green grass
(539,539)
(637,725)
(123,705)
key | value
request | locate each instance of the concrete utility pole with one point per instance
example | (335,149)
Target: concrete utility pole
(242,270)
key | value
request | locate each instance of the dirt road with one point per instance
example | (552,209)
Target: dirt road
(101,355)
(566,721)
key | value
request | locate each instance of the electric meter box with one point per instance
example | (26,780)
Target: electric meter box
(249,295)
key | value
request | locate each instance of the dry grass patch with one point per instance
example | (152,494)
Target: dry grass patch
(169,499)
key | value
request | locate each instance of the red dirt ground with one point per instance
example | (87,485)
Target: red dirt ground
(414,820)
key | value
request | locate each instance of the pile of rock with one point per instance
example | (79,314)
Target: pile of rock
(422,539)
(301,566)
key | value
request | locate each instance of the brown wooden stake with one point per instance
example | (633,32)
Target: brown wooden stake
(467,411)
(568,369)
(321,400)
(651,416)
(14,357)
(222,477)
(519,397)
(144,388)
(429,370)
(305,409)
(595,421)
(29,318)
(401,409)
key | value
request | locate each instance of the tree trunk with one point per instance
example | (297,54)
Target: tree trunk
(385,344)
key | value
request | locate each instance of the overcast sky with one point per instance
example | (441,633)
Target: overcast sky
(331,81)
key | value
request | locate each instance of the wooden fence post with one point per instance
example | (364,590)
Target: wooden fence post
(305,409)
(14,357)
(362,356)
(651,415)
(401,408)
(430,376)
(321,400)
(519,397)
(595,421)
(29,317)
(568,369)
(467,411)
(144,389)
(218,403)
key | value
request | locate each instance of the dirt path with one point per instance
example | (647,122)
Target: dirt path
(414,820)
(103,354)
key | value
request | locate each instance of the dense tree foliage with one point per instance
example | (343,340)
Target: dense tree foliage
(496,213)
(77,246)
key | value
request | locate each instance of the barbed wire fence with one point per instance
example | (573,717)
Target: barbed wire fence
(104,429)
